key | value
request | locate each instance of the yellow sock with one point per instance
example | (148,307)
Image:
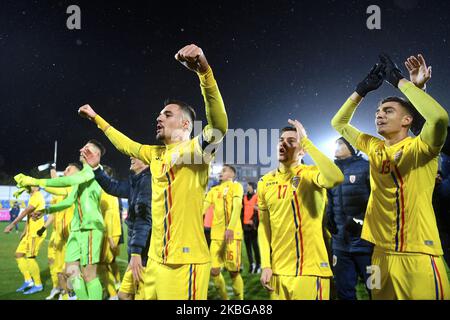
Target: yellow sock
(219,282)
(23,267)
(65,296)
(238,287)
(53,275)
(34,271)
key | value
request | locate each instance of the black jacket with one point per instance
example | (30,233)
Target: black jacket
(347,201)
(137,189)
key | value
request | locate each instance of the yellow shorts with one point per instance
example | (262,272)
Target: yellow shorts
(107,256)
(176,282)
(299,288)
(30,245)
(226,255)
(408,276)
(128,286)
(60,252)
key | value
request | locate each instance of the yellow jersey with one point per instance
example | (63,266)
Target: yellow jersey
(292,205)
(63,218)
(109,206)
(222,197)
(177,202)
(179,178)
(38,202)
(400,215)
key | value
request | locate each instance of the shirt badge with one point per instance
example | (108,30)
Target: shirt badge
(352,178)
(175,157)
(295,181)
(398,155)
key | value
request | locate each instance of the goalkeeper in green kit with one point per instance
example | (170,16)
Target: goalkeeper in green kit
(85,239)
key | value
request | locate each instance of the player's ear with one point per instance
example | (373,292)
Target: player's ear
(185,124)
(407,120)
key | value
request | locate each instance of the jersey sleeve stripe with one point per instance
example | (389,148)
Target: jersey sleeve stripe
(402,202)
(437,279)
(195,281)
(167,218)
(397,201)
(302,252)
(190,283)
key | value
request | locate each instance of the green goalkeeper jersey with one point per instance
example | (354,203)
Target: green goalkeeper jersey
(86,196)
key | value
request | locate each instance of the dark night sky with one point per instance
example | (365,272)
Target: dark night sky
(272,60)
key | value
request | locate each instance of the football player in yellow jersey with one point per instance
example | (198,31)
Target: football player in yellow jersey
(226,231)
(292,201)
(51,251)
(179,260)
(407,259)
(109,205)
(61,227)
(30,242)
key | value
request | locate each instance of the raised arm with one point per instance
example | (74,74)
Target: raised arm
(117,138)
(341,121)
(193,58)
(434,131)
(64,204)
(80,177)
(57,191)
(114,187)
(329,173)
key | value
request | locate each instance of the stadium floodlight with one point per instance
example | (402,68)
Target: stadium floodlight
(47,165)
(328,146)
(216,168)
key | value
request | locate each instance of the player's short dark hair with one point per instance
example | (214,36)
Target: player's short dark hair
(231,167)
(288,128)
(99,146)
(109,171)
(76,165)
(252,184)
(418,120)
(186,108)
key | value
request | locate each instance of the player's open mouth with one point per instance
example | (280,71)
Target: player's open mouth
(159,128)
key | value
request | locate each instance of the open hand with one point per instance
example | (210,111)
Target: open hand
(419,73)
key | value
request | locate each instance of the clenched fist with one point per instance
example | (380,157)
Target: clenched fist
(192,57)
(87,112)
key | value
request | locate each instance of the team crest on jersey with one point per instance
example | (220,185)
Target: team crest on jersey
(398,155)
(352,178)
(225,191)
(295,182)
(175,157)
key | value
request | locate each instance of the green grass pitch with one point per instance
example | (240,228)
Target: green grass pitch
(11,279)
